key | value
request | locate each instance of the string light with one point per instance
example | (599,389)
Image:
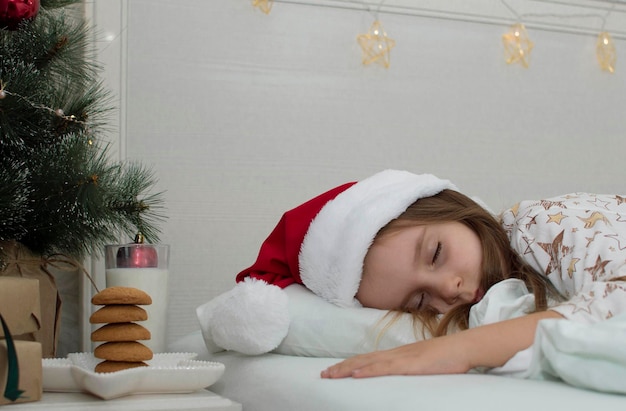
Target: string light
(264,5)
(57,112)
(376,45)
(605,48)
(517,45)
(605,52)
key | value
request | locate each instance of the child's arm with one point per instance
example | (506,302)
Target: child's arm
(485,346)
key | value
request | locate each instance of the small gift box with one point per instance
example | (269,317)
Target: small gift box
(20,307)
(24,382)
(19,262)
(20,361)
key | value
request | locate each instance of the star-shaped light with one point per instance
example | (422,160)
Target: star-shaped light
(517,45)
(264,5)
(376,45)
(605,52)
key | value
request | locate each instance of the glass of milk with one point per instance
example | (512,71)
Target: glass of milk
(146,267)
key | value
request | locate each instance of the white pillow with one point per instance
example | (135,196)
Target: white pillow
(321,329)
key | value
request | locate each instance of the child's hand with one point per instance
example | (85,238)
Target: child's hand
(443,355)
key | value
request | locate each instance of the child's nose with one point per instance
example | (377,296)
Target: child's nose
(451,288)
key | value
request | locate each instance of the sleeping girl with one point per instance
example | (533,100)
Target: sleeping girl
(414,244)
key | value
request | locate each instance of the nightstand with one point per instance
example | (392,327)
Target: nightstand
(199,400)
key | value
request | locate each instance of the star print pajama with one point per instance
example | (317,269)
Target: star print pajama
(579,242)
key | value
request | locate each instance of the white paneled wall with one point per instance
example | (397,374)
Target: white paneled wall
(243,115)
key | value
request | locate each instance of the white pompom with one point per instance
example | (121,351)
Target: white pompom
(252,318)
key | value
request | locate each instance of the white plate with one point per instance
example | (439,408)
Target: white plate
(166,373)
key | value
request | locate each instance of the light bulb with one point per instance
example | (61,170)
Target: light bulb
(605,52)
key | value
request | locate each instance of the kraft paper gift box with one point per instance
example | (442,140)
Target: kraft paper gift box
(18,261)
(20,310)
(30,377)
(20,307)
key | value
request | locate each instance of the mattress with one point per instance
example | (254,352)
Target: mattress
(274,382)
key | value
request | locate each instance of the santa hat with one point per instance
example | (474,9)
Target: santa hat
(320,244)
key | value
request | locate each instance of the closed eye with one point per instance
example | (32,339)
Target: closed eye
(437,252)
(421,301)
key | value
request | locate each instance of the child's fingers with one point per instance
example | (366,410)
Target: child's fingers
(359,366)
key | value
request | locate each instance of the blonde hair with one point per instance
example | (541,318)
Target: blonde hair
(499,260)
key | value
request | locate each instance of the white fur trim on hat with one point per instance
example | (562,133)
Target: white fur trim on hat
(334,248)
(252,318)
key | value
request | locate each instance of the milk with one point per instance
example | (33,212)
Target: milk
(154,282)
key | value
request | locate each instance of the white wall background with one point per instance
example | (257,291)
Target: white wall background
(244,115)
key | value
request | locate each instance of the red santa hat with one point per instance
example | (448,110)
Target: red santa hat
(320,244)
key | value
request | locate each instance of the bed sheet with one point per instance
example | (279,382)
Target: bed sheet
(275,382)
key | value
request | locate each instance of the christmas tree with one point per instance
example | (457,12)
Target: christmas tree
(59,190)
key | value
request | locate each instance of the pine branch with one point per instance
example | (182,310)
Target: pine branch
(60,192)
(14,194)
(82,202)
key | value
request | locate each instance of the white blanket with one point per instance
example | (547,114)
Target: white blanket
(591,356)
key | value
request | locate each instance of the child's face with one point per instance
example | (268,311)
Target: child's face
(435,265)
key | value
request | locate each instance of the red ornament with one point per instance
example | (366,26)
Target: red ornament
(137,256)
(13,12)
